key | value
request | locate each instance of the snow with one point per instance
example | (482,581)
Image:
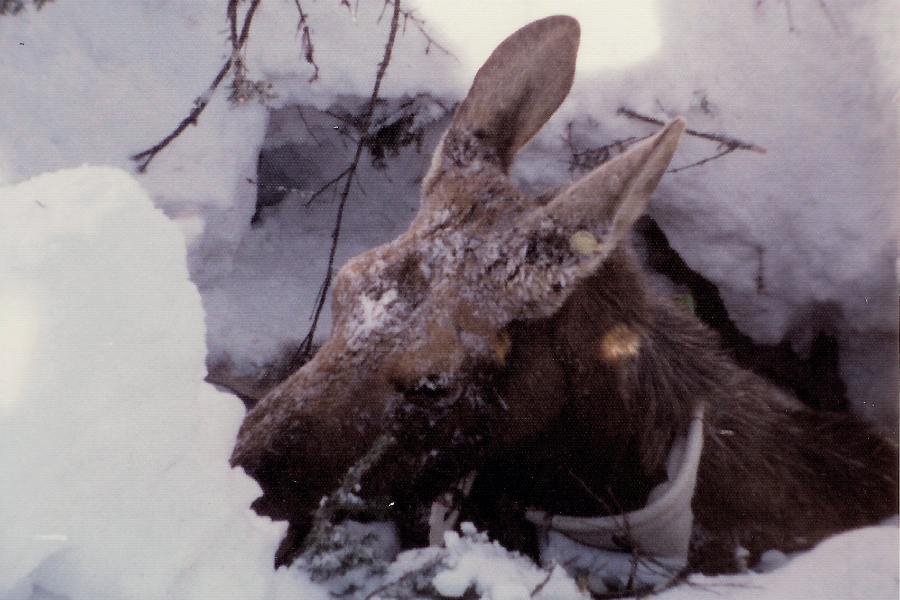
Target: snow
(488,568)
(115,287)
(114,455)
(470,563)
(841,567)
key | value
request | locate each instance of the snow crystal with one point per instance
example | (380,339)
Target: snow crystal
(374,312)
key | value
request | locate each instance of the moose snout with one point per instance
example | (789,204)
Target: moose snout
(301,439)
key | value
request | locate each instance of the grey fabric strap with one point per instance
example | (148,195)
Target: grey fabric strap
(646,547)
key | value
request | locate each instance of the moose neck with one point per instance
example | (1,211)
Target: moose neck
(606,382)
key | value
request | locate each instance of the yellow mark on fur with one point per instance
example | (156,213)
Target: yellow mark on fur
(501,346)
(584,242)
(618,343)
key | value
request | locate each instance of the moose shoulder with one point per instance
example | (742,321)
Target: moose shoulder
(517,339)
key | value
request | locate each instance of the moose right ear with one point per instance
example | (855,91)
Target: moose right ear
(520,86)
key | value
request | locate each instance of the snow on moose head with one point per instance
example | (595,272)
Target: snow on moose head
(421,322)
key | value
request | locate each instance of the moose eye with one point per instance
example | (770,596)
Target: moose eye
(430,387)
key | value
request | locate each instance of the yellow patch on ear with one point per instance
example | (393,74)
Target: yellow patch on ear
(618,343)
(584,242)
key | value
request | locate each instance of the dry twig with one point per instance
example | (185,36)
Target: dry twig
(409,17)
(237,44)
(727,143)
(306,45)
(537,589)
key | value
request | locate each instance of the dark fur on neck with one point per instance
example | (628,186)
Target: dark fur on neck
(616,374)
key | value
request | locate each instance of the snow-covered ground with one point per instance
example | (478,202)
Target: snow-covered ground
(114,480)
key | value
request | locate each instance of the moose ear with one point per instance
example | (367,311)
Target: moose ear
(520,86)
(604,204)
(552,248)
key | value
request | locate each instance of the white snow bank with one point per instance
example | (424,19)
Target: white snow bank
(113,454)
(857,565)
(861,564)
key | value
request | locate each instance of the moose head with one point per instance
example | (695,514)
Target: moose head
(421,324)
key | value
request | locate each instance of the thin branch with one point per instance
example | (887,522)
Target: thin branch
(306,45)
(409,17)
(237,43)
(722,139)
(830,17)
(729,144)
(537,589)
(306,345)
(308,128)
(144,158)
(591,158)
(727,150)
(333,181)
(243,89)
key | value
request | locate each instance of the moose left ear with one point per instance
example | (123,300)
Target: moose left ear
(520,86)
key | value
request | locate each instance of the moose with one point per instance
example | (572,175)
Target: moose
(515,339)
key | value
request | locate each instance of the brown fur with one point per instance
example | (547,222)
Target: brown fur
(773,474)
(517,338)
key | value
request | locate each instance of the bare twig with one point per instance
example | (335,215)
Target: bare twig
(143,158)
(333,181)
(591,158)
(729,144)
(722,139)
(307,344)
(537,589)
(306,45)
(305,124)
(409,17)
(237,43)
(830,17)
(727,150)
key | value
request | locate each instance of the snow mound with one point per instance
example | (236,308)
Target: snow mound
(857,565)
(113,454)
